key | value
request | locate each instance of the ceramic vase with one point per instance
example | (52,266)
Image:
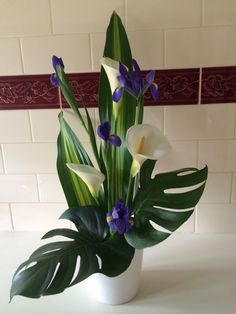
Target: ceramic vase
(120,289)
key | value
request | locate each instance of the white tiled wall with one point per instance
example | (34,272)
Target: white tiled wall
(163,34)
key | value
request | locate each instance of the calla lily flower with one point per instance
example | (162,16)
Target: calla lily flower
(111,68)
(91,176)
(144,142)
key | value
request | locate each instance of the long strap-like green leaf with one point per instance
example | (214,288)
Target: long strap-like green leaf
(117,47)
(70,150)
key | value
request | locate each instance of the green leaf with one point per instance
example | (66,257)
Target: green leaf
(89,220)
(53,267)
(168,209)
(117,47)
(70,150)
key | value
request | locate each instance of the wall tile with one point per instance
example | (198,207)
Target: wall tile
(18,188)
(74,49)
(8,130)
(50,189)
(182,155)
(216,218)
(10,61)
(37,217)
(30,158)
(97,48)
(21,18)
(152,14)
(149,54)
(200,47)
(213,44)
(200,122)
(188,226)
(218,188)
(218,12)
(183,48)
(154,116)
(45,125)
(216,85)
(219,155)
(5,218)
(78,16)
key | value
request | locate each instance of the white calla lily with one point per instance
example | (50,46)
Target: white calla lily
(144,142)
(91,176)
(111,68)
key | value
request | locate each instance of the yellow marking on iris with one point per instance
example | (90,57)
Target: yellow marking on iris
(140,145)
(109,218)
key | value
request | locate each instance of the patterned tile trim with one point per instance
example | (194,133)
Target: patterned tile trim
(218,85)
(176,86)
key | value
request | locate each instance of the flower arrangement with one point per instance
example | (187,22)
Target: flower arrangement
(112,203)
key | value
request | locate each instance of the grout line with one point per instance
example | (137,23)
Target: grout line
(125,14)
(231,190)
(38,189)
(11,217)
(91,51)
(3,161)
(22,55)
(200,86)
(198,153)
(31,127)
(51,17)
(202,13)
(164,48)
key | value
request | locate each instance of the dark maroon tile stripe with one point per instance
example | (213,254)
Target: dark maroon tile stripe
(27,92)
(218,85)
(176,87)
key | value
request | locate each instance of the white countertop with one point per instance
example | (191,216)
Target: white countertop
(187,273)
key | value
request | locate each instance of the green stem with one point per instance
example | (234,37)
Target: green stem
(129,196)
(139,111)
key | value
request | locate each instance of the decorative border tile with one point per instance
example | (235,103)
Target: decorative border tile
(27,92)
(177,87)
(218,85)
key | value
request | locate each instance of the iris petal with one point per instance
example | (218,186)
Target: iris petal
(118,94)
(114,140)
(150,76)
(103,130)
(154,91)
(57,62)
(123,70)
(54,80)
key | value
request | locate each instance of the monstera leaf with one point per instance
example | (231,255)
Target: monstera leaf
(52,268)
(156,202)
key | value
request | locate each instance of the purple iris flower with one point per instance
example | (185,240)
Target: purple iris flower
(120,219)
(134,84)
(56,62)
(104,133)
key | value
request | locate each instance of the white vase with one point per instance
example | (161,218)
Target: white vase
(120,289)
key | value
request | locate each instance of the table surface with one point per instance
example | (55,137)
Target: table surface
(187,273)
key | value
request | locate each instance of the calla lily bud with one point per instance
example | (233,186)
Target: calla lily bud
(91,176)
(144,142)
(111,68)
